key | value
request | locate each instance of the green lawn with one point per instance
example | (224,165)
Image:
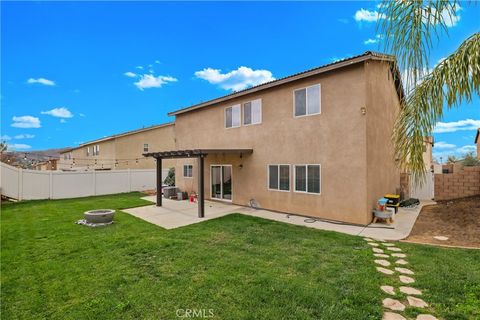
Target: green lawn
(238,267)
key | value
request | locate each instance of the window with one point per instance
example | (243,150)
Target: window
(307,178)
(252,112)
(188,171)
(307,101)
(96,150)
(232,116)
(279,177)
(88,151)
(145,147)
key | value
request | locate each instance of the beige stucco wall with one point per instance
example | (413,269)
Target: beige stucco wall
(382,106)
(335,139)
(131,146)
(125,149)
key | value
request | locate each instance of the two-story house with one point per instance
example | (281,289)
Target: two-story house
(317,143)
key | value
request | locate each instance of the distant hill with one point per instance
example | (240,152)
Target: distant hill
(25,159)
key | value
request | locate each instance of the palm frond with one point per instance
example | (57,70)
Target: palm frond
(453,81)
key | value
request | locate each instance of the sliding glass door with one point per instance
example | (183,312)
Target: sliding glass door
(221,182)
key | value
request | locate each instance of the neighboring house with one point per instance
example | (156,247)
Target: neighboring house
(317,143)
(477,142)
(46,165)
(427,153)
(120,151)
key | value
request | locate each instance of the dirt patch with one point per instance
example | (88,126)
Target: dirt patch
(459,220)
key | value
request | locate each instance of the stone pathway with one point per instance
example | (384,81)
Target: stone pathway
(394,307)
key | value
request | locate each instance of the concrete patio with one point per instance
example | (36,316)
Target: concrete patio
(174,214)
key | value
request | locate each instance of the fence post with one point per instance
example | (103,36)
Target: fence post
(20,184)
(50,185)
(94,182)
(129,180)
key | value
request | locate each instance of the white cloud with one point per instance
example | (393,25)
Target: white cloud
(461,125)
(24,136)
(373,40)
(41,81)
(26,122)
(59,112)
(467,148)
(150,81)
(130,74)
(63,120)
(367,15)
(18,146)
(5,138)
(139,67)
(452,20)
(157,61)
(443,145)
(82,115)
(235,80)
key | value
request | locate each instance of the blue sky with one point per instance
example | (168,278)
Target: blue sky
(76,71)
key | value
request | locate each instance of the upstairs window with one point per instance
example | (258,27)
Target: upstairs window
(188,171)
(96,150)
(307,101)
(88,151)
(145,147)
(279,177)
(232,116)
(252,112)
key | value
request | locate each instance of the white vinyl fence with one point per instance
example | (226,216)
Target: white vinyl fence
(423,191)
(23,184)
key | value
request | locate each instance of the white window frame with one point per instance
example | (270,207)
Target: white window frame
(289,176)
(183,173)
(225,116)
(243,113)
(306,101)
(145,144)
(306,178)
(88,151)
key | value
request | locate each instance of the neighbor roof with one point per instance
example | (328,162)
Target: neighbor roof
(478,134)
(369,55)
(122,135)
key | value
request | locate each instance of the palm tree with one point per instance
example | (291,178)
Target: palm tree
(409,29)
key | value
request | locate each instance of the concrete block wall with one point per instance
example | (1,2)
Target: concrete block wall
(457,185)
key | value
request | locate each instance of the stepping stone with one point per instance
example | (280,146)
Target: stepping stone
(381,255)
(416,302)
(394,249)
(410,290)
(382,262)
(373,244)
(441,238)
(368,239)
(392,316)
(405,279)
(399,255)
(388,289)
(404,270)
(376,250)
(393,304)
(387,244)
(380,240)
(426,317)
(401,261)
(385,270)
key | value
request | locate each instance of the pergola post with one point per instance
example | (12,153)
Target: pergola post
(159,182)
(201,187)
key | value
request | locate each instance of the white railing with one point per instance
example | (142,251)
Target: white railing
(24,184)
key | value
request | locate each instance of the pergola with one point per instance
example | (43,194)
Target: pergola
(196,153)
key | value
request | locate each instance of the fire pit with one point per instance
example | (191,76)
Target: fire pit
(97,218)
